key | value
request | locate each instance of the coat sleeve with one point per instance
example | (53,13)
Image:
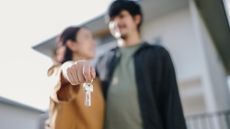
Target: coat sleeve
(170,104)
(62,90)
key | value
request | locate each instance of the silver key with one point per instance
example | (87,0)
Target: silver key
(88,89)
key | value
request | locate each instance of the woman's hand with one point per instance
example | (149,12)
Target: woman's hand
(78,72)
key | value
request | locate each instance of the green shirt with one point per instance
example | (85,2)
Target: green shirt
(122,107)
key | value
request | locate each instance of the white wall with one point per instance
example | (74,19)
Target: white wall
(215,77)
(176,31)
(17,118)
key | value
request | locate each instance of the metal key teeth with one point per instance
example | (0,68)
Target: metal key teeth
(88,89)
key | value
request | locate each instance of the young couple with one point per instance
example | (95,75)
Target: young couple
(135,85)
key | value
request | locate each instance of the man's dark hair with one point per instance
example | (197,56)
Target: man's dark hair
(132,7)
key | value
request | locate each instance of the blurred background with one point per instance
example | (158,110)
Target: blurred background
(196,33)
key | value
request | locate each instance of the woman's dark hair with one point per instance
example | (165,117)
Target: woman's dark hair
(132,7)
(69,33)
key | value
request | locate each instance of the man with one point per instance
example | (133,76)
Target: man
(138,79)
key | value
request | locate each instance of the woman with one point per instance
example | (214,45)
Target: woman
(67,109)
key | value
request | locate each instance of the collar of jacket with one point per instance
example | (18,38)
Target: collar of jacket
(117,53)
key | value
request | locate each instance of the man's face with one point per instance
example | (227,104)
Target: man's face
(122,25)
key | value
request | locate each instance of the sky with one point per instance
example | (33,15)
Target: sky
(25,23)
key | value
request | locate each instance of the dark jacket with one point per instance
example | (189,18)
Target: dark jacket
(158,94)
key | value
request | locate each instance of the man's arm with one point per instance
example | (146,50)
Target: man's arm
(170,103)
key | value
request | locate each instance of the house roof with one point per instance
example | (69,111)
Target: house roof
(19,105)
(215,18)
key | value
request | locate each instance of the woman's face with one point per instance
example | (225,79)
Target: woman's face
(85,44)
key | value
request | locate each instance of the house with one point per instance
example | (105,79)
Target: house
(14,115)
